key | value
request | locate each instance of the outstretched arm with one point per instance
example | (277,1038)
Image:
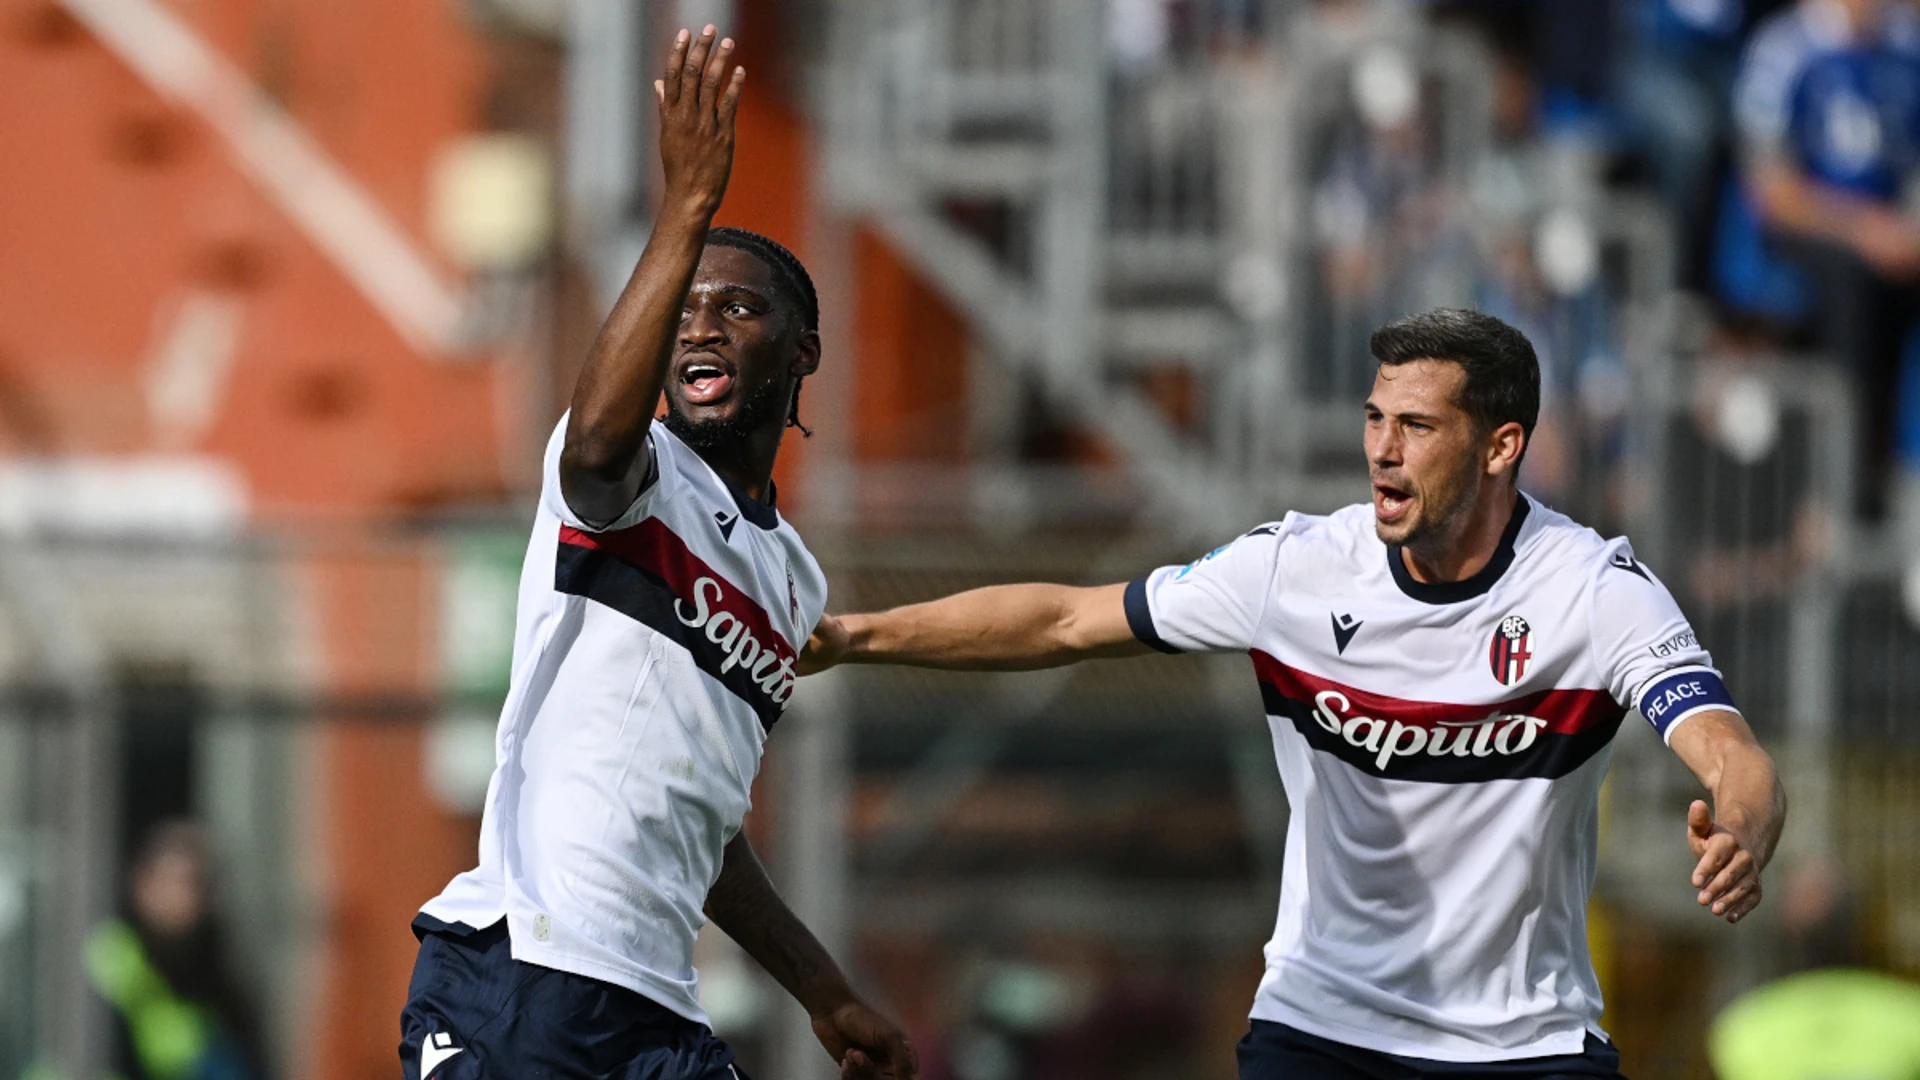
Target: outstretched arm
(1734,839)
(1001,628)
(603,464)
(743,903)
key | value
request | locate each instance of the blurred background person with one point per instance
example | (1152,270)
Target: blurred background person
(1827,106)
(179,1012)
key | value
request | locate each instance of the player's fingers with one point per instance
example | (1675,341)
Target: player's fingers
(1715,854)
(1722,867)
(902,1058)
(714,72)
(696,62)
(856,1066)
(692,60)
(660,91)
(1739,868)
(676,62)
(1735,894)
(1746,904)
(730,100)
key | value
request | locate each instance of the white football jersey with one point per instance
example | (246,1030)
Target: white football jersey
(1442,748)
(650,659)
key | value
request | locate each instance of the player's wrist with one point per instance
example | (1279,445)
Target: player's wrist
(691,202)
(824,1001)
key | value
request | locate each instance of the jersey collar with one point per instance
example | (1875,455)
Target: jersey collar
(760,513)
(1452,592)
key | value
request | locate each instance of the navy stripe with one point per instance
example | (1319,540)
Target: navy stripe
(1452,592)
(646,598)
(1140,616)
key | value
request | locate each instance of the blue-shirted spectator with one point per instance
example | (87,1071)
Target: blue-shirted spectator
(1827,110)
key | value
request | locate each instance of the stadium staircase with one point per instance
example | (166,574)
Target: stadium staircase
(1073,208)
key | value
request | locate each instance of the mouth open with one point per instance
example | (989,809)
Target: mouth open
(1390,503)
(704,380)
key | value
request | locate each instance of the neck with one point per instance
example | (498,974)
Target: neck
(747,463)
(1463,551)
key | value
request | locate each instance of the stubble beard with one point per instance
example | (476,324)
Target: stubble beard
(763,403)
(1435,524)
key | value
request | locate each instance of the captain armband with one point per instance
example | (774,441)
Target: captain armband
(1672,696)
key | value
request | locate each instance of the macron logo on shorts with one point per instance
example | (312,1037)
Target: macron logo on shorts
(435,1051)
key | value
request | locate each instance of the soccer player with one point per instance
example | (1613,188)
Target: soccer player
(661,606)
(1443,672)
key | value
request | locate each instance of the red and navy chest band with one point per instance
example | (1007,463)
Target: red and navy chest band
(1546,734)
(648,574)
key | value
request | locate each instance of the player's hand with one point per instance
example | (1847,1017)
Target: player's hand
(867,1045)
(698,99)
(825,648)
(1727,875)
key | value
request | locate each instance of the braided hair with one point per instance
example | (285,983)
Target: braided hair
(790,278)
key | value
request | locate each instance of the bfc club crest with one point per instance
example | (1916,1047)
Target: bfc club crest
(1512,649)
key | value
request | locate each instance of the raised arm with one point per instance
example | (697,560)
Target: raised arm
(744,903)
(1000,628)
(1735,837)
(604,464)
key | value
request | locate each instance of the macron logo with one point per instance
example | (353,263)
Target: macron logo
(435,1051)
(1344,627)
(726,522)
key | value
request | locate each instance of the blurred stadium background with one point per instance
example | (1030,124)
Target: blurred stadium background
(292,290)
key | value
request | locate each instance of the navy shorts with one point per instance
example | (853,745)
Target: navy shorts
(474,1011)
(1277,1052)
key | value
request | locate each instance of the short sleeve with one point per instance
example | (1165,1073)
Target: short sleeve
(651,491)
(1213,604)
(1644,643)
(1764,90)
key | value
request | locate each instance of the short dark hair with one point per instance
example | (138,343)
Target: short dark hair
(1503,374)
(790,279)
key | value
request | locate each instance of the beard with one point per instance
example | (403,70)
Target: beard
(763,403)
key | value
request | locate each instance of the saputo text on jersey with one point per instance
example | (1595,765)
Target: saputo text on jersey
(1497,733)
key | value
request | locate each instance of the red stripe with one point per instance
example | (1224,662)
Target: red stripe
(1565,711)
(658,550)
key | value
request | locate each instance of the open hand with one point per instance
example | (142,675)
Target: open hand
(698,100)
(867,1045)
(1727,875)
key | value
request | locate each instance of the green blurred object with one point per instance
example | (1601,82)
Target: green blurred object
(1832,1024)
(480,586)
(172,1037)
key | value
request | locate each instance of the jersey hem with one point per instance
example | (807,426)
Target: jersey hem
(1574,1042)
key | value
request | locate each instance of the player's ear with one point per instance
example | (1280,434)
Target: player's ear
(1504,447)
(806,357)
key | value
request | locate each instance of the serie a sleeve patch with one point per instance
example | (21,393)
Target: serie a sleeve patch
(1670,698)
